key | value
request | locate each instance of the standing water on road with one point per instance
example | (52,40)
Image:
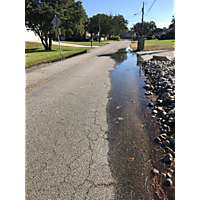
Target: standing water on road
(131,131)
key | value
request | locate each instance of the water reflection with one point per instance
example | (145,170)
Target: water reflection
(128,138)
(120,56)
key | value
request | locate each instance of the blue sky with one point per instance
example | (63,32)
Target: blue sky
(161,12)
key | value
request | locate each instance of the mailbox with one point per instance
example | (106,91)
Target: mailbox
(91,40)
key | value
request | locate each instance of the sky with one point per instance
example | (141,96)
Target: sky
(161,12)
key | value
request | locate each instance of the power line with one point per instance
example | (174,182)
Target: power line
(150,7)
(158,20)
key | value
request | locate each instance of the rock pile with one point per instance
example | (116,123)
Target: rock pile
(161,81)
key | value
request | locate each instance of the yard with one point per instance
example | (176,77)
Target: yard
(36,54)
(156,44)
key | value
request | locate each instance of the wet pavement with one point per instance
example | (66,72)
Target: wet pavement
(131,130)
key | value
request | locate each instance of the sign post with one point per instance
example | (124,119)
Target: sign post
(56,22)
(91,40)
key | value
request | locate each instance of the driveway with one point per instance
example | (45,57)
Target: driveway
(147,55)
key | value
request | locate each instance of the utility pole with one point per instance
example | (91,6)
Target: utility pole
(141,39)
(99,30)
(142,18)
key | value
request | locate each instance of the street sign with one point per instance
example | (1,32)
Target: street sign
(58,31)
(56,21)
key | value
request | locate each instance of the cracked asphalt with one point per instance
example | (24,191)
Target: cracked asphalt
(66,124)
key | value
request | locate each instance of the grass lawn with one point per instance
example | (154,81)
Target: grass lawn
(156,44)
(36,54)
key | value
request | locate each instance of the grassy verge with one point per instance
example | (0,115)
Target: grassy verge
(155,44)
(36,54)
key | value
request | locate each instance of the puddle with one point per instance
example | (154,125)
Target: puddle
(131,131)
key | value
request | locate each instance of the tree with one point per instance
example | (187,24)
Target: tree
(120,24)
(40,13)
(110,25)
(78,18)
(148,27)
(172,25)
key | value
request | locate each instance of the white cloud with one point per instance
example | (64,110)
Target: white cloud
(163,24)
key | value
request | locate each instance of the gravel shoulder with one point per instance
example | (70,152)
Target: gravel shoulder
(161,81)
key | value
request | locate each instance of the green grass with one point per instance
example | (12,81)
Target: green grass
(156,44)
(36,54)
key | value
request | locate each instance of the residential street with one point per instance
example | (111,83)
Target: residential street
(66,124)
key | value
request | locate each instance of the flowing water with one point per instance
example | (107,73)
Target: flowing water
(131,131)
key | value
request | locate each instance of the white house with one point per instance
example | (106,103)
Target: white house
(30,35)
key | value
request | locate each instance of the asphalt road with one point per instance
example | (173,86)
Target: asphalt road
(66,146)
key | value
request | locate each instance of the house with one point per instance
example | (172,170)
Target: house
(128,35)
(159,32)
(165,31)
(30,35)
(87,35)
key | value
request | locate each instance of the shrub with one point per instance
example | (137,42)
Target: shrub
(115,38)
(149,37)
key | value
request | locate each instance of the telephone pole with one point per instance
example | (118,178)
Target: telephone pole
(142,17)
(141,39)
(99,30)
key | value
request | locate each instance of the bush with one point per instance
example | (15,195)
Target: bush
(115,38)
(149,37)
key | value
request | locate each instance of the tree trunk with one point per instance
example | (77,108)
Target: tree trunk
(45,43)
(45,46)
(50,42)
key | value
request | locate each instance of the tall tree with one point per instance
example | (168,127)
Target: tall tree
(147,28)
(120,24)
(110,25)
(78,18)
(172,25)
(40,13)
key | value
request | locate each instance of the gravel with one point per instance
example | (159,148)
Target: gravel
(161,82)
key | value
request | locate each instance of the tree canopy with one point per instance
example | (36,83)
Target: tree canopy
(40,13)
(172,25)
(110,25)
(147,28)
